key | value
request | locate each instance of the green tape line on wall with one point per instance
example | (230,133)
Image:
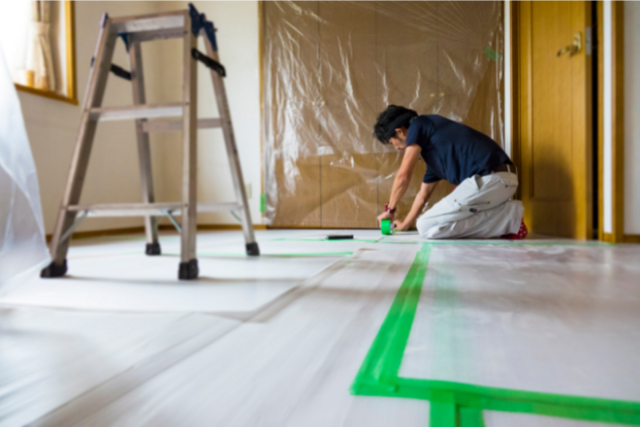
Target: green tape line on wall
(263,203)
(459,404)
(491,54)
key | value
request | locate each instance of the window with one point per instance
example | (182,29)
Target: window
(37,40)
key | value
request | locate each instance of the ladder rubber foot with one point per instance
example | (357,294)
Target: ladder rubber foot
(54,270)
(153,249)
(188,270)
(253,249)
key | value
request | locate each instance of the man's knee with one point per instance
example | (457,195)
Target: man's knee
(427,226)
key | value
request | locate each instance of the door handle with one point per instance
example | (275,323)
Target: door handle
(573,48)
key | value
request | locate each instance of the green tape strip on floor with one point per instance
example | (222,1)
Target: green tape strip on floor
(312,239)
(243,255)
(516,243)
(459,404)
(454,242)
(500,243)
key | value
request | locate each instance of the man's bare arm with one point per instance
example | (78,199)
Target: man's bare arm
(426,190)
(403,178)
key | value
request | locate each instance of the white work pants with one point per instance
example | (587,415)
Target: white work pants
(478,208)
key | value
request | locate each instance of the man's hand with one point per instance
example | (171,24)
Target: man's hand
(400,225)
(384,215)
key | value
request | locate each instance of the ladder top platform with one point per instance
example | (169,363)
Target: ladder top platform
(153,22)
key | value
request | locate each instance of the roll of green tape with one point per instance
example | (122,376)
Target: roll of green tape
(386,227)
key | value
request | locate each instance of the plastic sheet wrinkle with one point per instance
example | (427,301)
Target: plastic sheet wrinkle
(378,375)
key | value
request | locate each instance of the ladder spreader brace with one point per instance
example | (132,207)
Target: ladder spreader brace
(188,25)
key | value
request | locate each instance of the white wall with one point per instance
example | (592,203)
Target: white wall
(113,170)
(238,46)
(631,116)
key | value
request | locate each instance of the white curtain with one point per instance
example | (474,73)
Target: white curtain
(42,49)
(22,235)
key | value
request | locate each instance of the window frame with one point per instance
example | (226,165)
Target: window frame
(70,37)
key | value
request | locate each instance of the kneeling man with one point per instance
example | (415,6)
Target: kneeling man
(480,206)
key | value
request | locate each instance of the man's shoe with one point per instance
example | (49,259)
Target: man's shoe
(521,234)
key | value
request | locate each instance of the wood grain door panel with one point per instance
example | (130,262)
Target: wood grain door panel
(555,118)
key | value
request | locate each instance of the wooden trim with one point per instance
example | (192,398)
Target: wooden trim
(600,41)
(294,227)
(70,17)
(587,174)
(71,97)
(617,117)
(631,238)
(515,92)
(204,227)
(140,229)
(45,94)
(314,227)
(261,30)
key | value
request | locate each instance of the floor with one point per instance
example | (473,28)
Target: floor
(374,331)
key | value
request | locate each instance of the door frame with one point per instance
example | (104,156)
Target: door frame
(615,136)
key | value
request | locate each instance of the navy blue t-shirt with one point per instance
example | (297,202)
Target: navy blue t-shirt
(453,151)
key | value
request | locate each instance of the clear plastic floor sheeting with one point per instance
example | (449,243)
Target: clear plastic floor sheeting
(278,341)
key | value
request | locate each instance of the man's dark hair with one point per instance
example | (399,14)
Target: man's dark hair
(389,120)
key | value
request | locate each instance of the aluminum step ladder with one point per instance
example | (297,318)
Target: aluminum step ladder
(186,24)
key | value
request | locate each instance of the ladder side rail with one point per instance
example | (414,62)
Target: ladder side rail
(232,151)
(144,149)
(93,97)
(189,264)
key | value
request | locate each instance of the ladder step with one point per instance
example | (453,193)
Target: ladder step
(220,207)
(146,36)
(171,125)
(145,209)
(143,23)
(128,209)
(137,112)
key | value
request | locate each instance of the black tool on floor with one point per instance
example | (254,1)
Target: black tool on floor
(340,236)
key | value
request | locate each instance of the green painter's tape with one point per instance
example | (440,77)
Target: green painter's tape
(382,362)
(284,239)
(517,243)
(442,414)
(470,417)
(263,203)
(242,255)
(378,376)
(453,242)
(501,243)
(386,227)
(491,54)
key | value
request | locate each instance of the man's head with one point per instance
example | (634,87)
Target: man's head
(392,126)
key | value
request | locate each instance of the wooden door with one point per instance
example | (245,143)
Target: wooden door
(553,117)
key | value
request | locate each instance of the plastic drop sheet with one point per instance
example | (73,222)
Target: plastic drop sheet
(22,236)
(546,318)
(330,68)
